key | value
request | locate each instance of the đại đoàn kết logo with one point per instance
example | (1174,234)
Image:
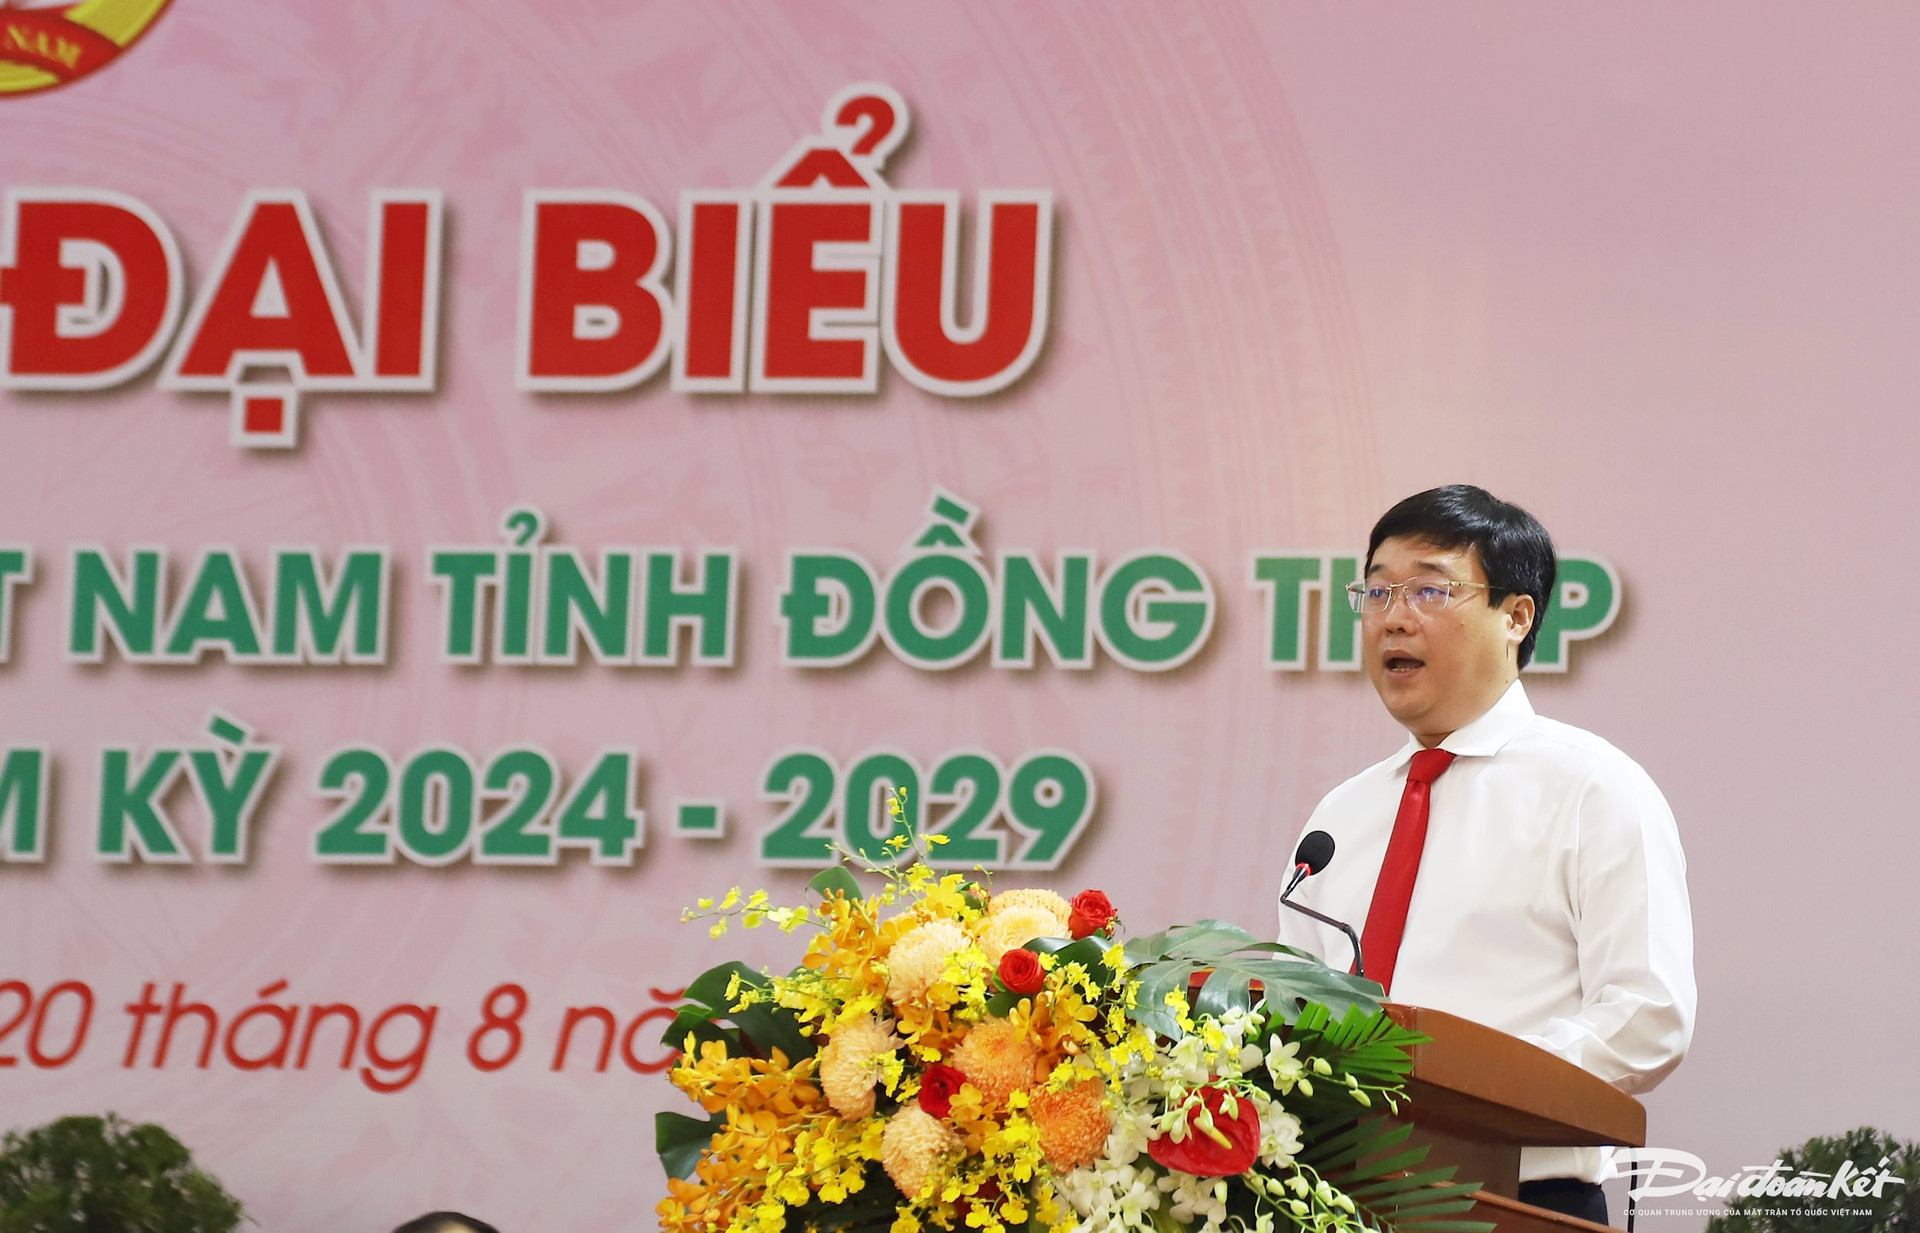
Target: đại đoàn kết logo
(45,44)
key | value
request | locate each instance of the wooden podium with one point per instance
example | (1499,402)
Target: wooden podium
(1479,1096)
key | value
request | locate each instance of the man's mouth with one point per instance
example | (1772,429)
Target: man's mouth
(1403,665)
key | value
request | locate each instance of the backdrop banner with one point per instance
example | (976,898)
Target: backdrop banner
(474,479)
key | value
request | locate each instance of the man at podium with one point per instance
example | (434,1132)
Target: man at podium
(1510,869)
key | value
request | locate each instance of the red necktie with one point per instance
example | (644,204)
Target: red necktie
(1387,916)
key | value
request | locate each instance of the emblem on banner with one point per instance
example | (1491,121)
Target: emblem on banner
(44,45)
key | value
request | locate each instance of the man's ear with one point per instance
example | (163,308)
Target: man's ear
(1520,619)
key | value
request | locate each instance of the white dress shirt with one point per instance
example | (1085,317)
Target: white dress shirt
(1551,901)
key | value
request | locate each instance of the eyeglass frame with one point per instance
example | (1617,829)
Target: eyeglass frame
(1357,591)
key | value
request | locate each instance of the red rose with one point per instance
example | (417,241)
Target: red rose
(1091,914)
(1020,971)
(1204,1156)
(937,1087)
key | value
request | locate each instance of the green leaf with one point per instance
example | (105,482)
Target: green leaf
(692,1019)
(1159,1020)
(775,1027)
(710,987)
(1372,1048)
(1150,1007)
(1146,950)
(1225,990)
(1285,983)
(1367,1137)
(835,880)
(1401,1160)
(1404,1182)
(1087,952)
(1422,1211)
(679,1140)
(1390,1189)
(764,1026)
(1209,939)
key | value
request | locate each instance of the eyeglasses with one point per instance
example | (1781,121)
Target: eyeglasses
(1420,594)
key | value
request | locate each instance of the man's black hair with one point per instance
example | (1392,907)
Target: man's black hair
(445,1222)
(1513,547)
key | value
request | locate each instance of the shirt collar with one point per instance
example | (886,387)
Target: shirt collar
(1486,735)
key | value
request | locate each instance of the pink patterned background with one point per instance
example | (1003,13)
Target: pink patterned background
(1649,271)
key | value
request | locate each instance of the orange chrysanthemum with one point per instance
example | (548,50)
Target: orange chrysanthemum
(1073,1123)
(1016,926)
(913,1148)
(998,1059)
(1031,897)
(849,1065)
(915,962)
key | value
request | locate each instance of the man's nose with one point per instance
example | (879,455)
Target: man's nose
(1399,613)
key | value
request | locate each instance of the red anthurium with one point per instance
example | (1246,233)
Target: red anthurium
(1205,1156)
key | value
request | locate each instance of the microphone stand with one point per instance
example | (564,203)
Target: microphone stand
(1358,968)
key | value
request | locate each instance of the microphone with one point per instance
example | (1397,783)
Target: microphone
(1314,854)
(1315,850)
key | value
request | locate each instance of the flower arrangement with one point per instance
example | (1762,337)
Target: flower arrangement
(944,1055)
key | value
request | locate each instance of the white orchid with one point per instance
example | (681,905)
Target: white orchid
(1284,1065)
(1279,1134)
